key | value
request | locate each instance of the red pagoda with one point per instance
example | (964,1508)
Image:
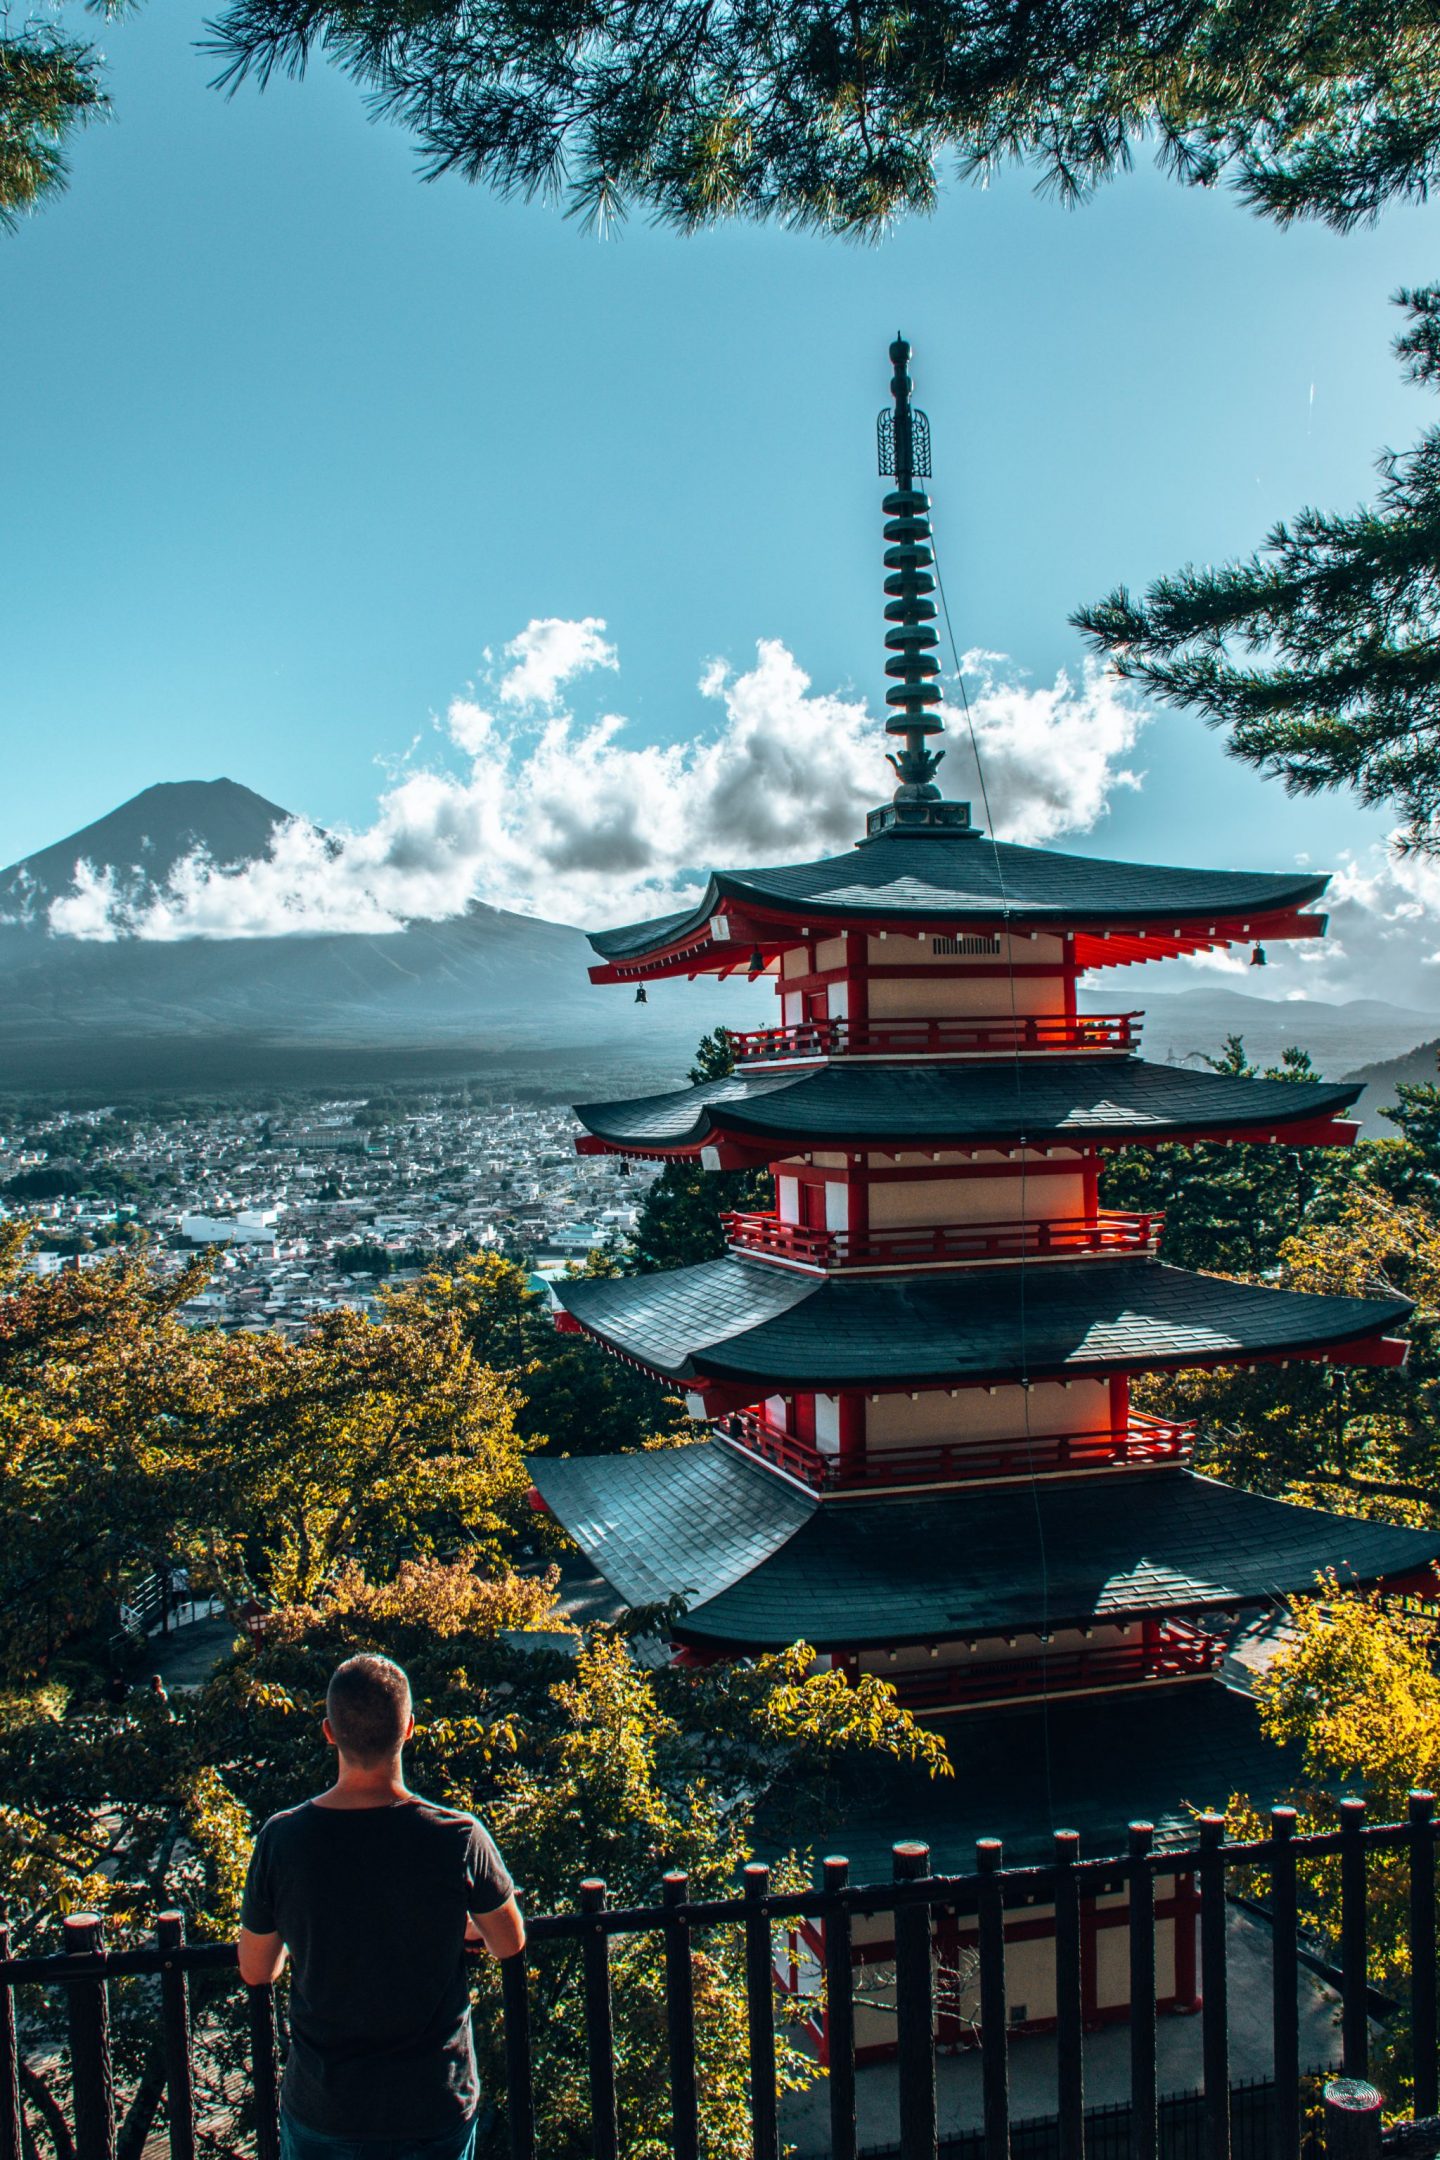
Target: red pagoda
(917,1366)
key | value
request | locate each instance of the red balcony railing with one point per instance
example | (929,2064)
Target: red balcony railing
(1142,1444)
(1029,1035)
(943,1244)
(1180,1653)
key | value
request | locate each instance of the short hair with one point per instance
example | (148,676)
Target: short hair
(368,1705)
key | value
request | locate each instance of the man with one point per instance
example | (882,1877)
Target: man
(374,1893)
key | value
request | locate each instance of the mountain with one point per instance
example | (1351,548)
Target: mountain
(482,988)
(1183,1025)
(1381,1080)
(142,841)
(485,989)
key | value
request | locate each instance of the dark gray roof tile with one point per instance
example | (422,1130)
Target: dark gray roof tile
(744,1321)
(761,1564)
(963,874)
(1116,1100)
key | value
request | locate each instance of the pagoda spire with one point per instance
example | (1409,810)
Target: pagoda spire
(903,433)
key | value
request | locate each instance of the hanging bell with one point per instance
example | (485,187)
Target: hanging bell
(640,997)
(757,963)
(1257,957)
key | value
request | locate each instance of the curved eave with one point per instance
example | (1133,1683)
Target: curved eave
(763,1117)
(759,1565)
(735,1330)
(1118,914)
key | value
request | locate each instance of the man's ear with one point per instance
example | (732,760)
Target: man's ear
(329,1735)
(409,1727)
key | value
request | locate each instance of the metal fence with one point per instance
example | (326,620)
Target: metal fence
(1220,2125)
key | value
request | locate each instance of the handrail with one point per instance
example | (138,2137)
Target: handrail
(1169,1882)
(1180,1653)
(1023,1035)
(1109,1232)
(1142,1443)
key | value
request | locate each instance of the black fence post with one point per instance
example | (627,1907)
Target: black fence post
(175,2036)
(599,2023)
(1422,1952)
(265,2073)
(10,2128)
(91,2074)
(915,2010)
(680,2020)
(994,2038)
(1354,1984)
(519,2068)
(1214,2001)
(760,2015)
(1069,2016)
(1144,2076)
(1352,2120)
(1285,1983)
(840,2009)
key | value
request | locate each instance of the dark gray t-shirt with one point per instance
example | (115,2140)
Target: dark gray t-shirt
(371,1904)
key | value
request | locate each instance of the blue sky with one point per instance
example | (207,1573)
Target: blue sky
(294,440)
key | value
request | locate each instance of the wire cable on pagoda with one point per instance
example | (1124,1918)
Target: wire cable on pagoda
(899,353)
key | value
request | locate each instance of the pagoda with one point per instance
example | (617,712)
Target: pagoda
(916,1365)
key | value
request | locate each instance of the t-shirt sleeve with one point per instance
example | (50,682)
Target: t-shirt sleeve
(257,1904)
(487,1879)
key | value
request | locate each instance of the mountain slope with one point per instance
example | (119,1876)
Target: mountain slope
(145,838)
(1185,1025)
(487,983)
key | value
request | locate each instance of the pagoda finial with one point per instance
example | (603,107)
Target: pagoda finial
(904,443)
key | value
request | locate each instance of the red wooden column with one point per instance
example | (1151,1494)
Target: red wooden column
(1119,1405)
(852,1432)
(857,977)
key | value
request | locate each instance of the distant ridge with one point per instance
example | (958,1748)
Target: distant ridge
(483,987)
(145,838)
(1184,1025)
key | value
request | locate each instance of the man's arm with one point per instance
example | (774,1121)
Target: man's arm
(501,1931)
(262,1958)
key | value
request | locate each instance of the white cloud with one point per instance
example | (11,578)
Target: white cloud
(551,652)
(1049,756)
(564,817)
(1383,939)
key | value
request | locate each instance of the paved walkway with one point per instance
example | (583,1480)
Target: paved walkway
(804,2117)
(186,1656)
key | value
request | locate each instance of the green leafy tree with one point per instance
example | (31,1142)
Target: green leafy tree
(1358,1439)
(572,1396)
(1355,1694)
(582,1761)
(680,1218)
(1320,655)
(1228,1208)
(101,1386)
(843,116)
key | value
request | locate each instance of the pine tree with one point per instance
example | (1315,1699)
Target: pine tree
(1321,654)
(842,115)
(49,85)
(680,1218)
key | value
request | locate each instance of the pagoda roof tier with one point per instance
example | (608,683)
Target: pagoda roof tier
(762,1329)
(760,1564)
(940,880)
(1112,1104)
(1094,1764)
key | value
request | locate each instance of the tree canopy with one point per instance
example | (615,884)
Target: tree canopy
(1320,654)
(581,1760)
(844,115)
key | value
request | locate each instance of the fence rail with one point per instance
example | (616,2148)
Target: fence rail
(914,1899)
(1109,1233)
(1141,1443)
